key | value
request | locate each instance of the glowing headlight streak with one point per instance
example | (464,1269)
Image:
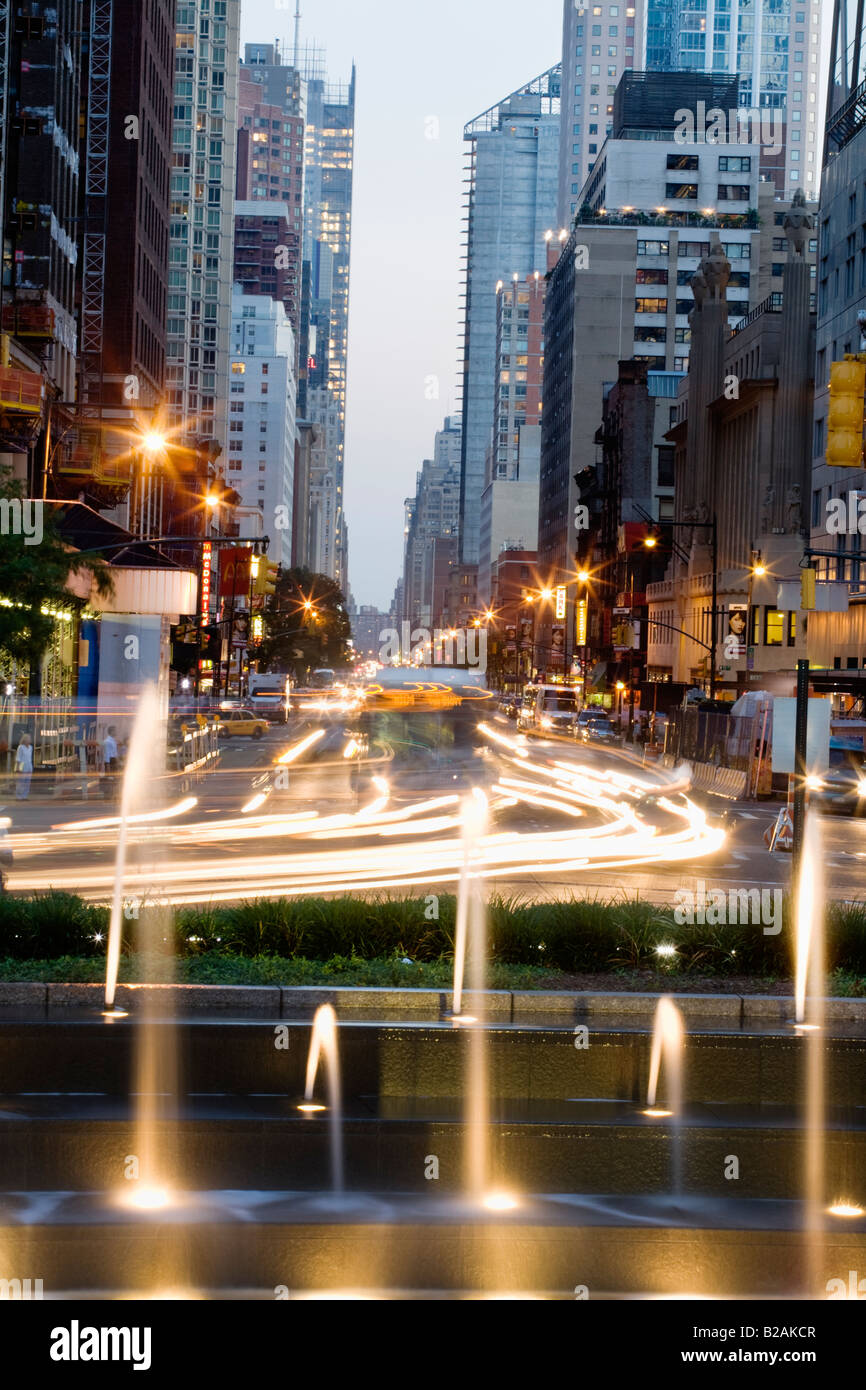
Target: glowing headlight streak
(254,803)
(145,818)
(298,749)
(431,827)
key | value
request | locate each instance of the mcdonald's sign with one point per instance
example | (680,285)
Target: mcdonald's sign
(235,572)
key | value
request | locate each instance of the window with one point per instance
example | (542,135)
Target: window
(682,161)
(774,627)
(693,248)
(733,192)
(735,164)
(651,277)
(649,335)
(685,306)
(681,190)
(650,306)
(652,248)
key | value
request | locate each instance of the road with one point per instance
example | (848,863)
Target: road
(292,814)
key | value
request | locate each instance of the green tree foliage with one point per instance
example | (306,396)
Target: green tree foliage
(32,578)
(306,624)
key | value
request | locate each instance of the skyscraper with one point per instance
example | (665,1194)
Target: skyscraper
(202,222)
(598,43)
(512,175)
(294,101)
(261,462)
(774,47)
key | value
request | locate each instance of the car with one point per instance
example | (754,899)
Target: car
(599,731)
(842,788)
(586,714)
(241,723)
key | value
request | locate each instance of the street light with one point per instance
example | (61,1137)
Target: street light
(153,442)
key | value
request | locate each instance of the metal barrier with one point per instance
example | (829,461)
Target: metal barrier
(721,749)
(196,751)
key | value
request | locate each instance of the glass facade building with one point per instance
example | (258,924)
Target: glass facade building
(513,174)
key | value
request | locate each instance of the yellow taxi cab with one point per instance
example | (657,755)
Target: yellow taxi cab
(241,723)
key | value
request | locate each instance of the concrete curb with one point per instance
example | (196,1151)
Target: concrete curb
(500,1006)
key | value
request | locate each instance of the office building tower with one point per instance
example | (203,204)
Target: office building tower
(773,46)
(599,43)
(261,439)
(511,203)
(202,221)
(298,96)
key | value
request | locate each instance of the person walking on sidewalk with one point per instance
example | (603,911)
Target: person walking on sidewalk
(23,768)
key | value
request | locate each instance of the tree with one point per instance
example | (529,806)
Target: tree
(306,625)
(33,577)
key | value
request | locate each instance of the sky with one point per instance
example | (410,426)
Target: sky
(425,69)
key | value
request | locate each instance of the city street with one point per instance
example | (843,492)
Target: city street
(258,827)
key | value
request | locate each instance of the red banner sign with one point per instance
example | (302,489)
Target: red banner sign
(235,572)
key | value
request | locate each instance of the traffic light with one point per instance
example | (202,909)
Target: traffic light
(265,576)
(845,416)
(807,589)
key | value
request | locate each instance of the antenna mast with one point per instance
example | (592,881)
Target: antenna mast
(297,33)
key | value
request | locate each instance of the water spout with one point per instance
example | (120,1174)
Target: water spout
(470,901)
(139,759)
(324,1040)
(810,988)
(474,816)
(668,1038)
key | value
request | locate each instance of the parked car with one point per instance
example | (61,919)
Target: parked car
(241,723)
(842,788)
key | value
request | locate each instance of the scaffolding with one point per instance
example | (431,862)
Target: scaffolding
(96,194)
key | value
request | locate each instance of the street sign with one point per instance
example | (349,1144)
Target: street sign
(817,738)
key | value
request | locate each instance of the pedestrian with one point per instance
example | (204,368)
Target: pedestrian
(23,768)
(109,757)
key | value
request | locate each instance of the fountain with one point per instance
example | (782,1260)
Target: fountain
(139,758)
(809,994)
(470,898)
(667,1041)
(323,1039)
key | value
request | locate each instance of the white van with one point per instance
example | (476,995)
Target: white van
(547,709)
(269,696)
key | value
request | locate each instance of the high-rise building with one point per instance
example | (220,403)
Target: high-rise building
(261,441)
(202,222)
(432,515)
(40,68)
(619,290)
(509,502)
(774,47)
(513,151)
(599,42)
(263,254)
(839,639)
(127,85)
(270,164)
(296,102)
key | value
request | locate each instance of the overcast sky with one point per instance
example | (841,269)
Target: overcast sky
(447,60)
